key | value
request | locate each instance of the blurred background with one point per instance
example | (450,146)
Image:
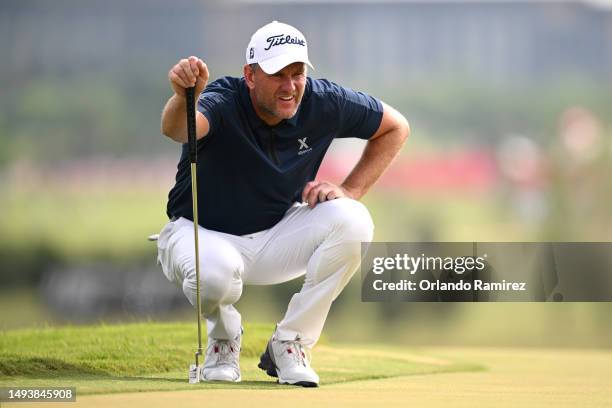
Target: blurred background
(510,105)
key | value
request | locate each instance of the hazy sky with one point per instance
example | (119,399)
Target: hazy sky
(604,3)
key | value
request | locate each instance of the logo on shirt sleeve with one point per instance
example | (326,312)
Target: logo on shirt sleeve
(303,148)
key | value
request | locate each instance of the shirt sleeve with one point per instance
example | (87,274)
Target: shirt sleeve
(211,103)
(360,114)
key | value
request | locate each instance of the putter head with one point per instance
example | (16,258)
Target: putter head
(195,374)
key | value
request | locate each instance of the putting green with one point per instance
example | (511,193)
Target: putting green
(514,378)
(155,357)
(366,375)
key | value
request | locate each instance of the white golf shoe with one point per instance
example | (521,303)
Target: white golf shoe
(288,360)
(222,361)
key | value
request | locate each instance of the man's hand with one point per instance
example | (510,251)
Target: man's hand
(186,73)
(319,191)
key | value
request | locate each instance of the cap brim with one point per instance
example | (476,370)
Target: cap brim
(273,65)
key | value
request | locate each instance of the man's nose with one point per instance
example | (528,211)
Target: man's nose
(288,85)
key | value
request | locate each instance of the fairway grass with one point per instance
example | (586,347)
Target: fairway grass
(154,357)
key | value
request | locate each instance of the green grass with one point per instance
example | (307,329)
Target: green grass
(74,225)
(155,356)
(82,225)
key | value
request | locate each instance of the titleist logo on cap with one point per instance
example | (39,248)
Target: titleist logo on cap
(276,45)
(283,39)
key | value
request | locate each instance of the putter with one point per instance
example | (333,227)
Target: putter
(194,369)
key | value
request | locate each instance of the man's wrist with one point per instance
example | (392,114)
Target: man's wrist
(351,192)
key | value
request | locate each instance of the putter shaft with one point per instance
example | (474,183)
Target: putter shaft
(193,158)
(194,192)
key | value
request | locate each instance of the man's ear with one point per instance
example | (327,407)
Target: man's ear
(249,75)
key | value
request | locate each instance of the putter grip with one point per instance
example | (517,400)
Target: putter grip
(191,124)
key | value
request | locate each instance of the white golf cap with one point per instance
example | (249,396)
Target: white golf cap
(276,45)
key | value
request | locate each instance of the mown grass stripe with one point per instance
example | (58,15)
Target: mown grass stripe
(155,356)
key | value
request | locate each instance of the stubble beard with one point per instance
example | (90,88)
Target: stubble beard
(270,109)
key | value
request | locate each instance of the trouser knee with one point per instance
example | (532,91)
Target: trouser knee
(349,225)
(357,223)
(220,282)
(350,220)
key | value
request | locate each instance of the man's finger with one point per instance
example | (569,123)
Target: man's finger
(322,196)
(332,195)
(307,189)
(202,70)
(188,74)
(318,194)
(313,195)
(180,73)
(193,63)
(177,79)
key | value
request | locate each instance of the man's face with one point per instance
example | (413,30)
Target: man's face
(276,96)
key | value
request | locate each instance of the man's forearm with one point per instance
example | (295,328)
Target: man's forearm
(376,157)
(173,121)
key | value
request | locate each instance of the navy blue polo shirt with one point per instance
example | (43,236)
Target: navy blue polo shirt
(249,173)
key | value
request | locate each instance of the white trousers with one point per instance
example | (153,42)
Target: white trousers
(322,243)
